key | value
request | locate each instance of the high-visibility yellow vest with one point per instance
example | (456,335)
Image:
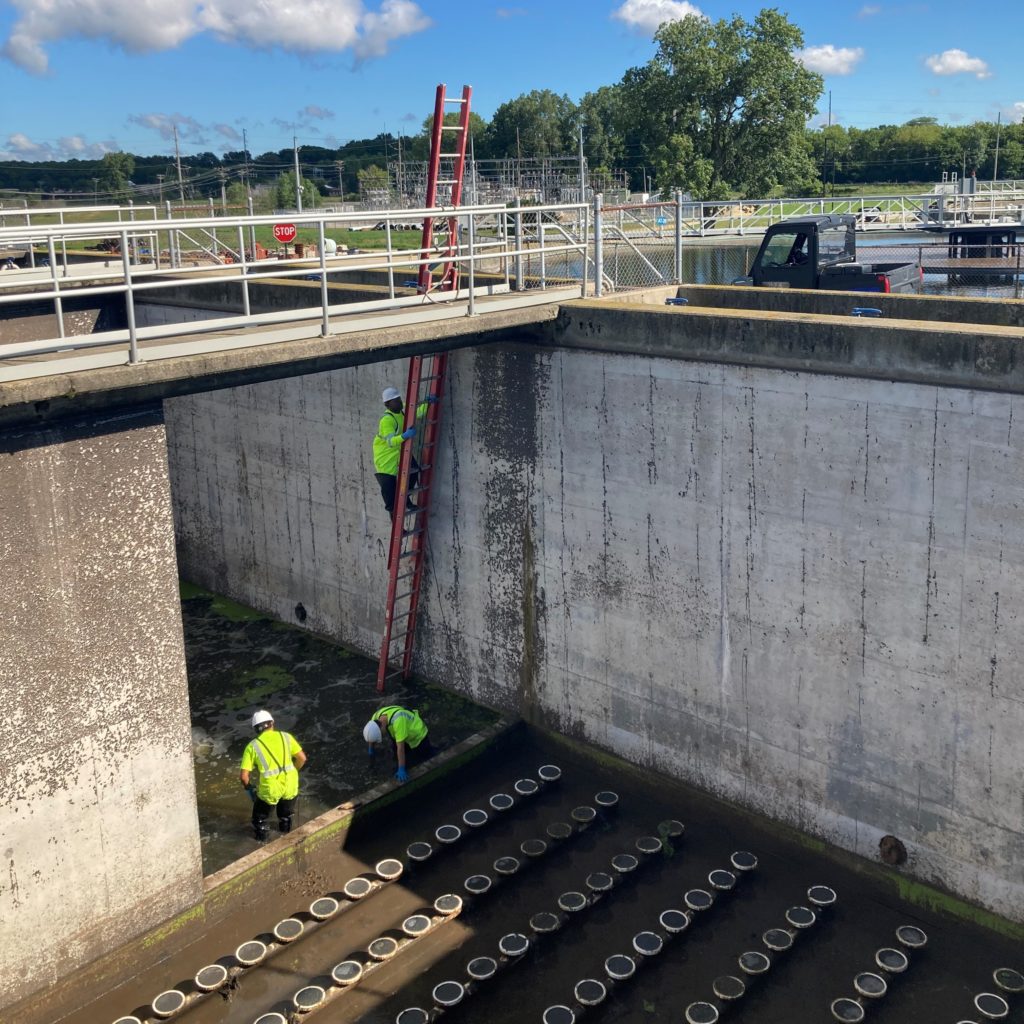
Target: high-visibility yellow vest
(403,726)
(387,442)
(271,755)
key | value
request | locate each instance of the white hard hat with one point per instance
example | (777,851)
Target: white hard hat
(260,717)
(371,732)
(390,394)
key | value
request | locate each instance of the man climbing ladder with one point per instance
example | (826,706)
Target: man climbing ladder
(387,447)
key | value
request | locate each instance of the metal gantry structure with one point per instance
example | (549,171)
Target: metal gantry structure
(423,396)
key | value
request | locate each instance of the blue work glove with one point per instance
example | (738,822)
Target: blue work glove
(432,399)
(369,750)
(402,775)
(411,432)
(251,790)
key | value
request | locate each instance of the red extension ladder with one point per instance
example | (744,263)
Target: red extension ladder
(407,550)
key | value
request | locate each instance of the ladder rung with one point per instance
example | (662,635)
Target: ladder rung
(451,127)
(397,636)
(408,593)
(405,575)
(415,532)
(407,554)
(449,156)
(449,99)
(436,376)
(394,675)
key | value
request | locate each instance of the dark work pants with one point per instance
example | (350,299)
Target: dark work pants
(389,486)
(417,755)
(261,812)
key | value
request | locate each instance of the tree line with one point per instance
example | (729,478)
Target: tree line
(721,110)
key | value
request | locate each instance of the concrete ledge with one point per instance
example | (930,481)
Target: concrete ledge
(977,356)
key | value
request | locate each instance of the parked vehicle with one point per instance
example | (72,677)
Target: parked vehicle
(821,252)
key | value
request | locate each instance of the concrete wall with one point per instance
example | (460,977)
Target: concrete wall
(798,590)
(98,825)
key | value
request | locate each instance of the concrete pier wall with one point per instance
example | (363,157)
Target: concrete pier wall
(100,839)
(796,589)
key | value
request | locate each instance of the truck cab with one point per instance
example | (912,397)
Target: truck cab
(793,252)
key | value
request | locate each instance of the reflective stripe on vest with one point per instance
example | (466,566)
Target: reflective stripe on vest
(266,771)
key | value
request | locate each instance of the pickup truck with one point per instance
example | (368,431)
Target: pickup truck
(821,252)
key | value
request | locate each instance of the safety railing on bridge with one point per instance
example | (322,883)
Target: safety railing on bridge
(499,249)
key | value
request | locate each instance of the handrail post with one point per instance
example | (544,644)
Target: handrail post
(391,258)
(471,235)
(679,237)
(129,300)
(58,305)
(518,222)
(325,327)
(245,272)
(252,227)
(598,246)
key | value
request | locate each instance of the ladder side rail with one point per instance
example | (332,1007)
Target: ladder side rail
(433,169)
(398,526)
(450,277)
(431,437)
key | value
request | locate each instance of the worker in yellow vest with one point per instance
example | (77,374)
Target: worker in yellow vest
(276,758)
(407,733)
(387,447)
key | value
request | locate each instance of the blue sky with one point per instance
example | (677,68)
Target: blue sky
(79,77)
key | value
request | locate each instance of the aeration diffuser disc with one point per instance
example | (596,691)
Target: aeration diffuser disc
(777,939)
(477,885)
(250,953)
(821,895)
(513,944)
(389,869)
(506,865)
(648,845)
(991,1006)
(589,992)
(448,904)
(571,902)
(448,833)
(721,880)
(414,1015)
(800,917)
(754,962)
(728,987)
(383,948)
(306,998)
(624,863)
(671,828)
(911,936)
(323,908)
(849,1011)
(558,1015)
(356,888)
(673,921)
(419,851)
(701,1013)
(549,772)
(870,985)
(543,923)
(127,1020)
(606,799)
(474,817)
(1008,979)
(599,881)
(534,848)
(619,967)
(415,925)
(210,978)
(168,1003)
(698,899)
(448,993)
(583,815)
(558,830)
(743,860)
(647,943)
(288,929)
(501,802)
(480,968)
(526,787)
(348,972)
(271,1018)
(893,961)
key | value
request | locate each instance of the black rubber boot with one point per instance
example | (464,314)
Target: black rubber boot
(259,829)
(284,824)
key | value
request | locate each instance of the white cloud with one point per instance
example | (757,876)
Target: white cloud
(869,11)
(70,147)
(189,129)
(227,132)
(649,15)
(321,113)
(397,18)
(1015,112)
(957,62)
(831,60)
(143,26)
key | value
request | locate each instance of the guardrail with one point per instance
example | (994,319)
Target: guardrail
(517,248)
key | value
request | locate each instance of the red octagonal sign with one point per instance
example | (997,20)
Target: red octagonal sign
(284,232)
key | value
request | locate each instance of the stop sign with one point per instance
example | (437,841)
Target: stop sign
(284,232)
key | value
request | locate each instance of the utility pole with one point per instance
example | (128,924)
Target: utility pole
(995,167)
(177,160)
(298,176)
(245,157)
(824,159)
(583,177)
(160,187)
(340,164)
(223,191)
